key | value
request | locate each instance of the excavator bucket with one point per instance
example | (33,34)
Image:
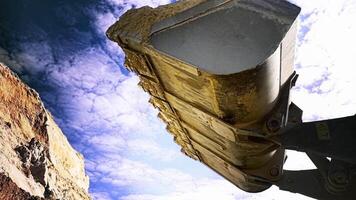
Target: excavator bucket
(220,72)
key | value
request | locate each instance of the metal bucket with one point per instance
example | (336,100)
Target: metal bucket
(215,69)
(238,46)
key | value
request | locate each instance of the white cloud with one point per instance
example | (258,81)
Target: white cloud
(200,189)
(212,189)
(325,53)
(128,4)
(148,147)
(101,196)
(106,143)
(140,176)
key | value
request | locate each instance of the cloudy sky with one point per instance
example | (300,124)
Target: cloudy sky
(59,48)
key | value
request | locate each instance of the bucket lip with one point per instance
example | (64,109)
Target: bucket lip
(187,14)
(282,7)
(281,11)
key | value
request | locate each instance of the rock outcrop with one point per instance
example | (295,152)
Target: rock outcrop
(36,159)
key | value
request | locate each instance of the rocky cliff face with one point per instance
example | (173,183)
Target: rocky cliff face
(36,159)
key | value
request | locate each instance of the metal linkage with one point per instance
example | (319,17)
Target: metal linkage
(333,180)
(334,139)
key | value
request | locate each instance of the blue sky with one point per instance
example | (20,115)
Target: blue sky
(59,48)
